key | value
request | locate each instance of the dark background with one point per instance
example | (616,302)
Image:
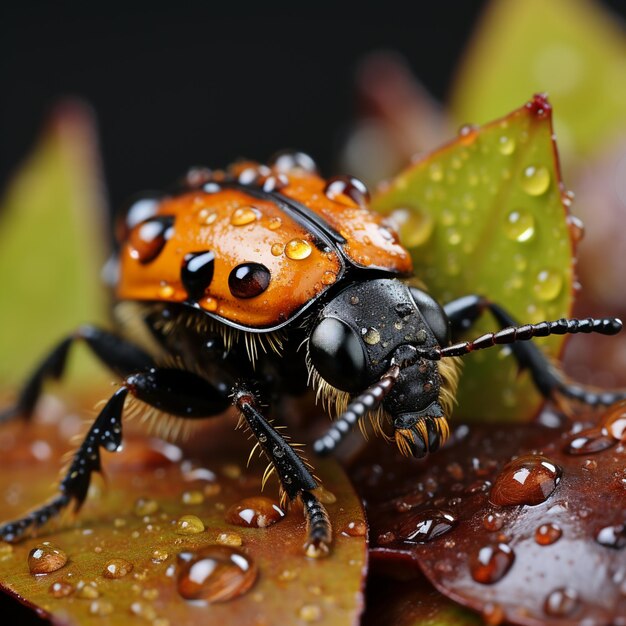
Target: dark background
(192,82)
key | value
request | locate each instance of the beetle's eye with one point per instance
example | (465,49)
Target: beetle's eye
(338,355)
(433,315)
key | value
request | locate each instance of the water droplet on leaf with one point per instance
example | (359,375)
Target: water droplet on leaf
(255,512)
(45,558)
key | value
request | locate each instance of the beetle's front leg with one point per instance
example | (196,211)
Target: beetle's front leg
(173,391)
(293,473)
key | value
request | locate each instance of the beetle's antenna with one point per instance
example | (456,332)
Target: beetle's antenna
(603,326)
(369,400)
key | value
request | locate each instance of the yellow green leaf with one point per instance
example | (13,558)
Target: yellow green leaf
(485,215)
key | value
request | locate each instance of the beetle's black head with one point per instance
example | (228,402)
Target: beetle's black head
(369,327)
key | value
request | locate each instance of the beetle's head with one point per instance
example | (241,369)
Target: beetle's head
(371,326)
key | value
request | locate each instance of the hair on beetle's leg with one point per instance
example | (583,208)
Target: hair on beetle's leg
(119,355)
(174,391)
(548,379)
(292,470)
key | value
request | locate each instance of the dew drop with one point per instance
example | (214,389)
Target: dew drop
(249,280)
(87,591)
(371,336)
(325,496)
(424,526)
(209,304)
(143,610)
(275,223)
(547,534)
(142,209)
(216,574)
(548,286)
(535,180)
(561,602)
(612,536)
(229,539)
(45,558)
(414,226)
(355,528)
(101,608)
(117,568)
(145,506)
(298,249)
(244,215)
(589,442)
(435,172)
(329,278)
(192,498)
(275,183)
(166,290)
(206,217)
(614,423)
(491,563)
(506,145)
(493,614)
(493,522)
(340,188)
(287,161)
(277,249)
(189,525)
(576,228)
(61,589)
(148,239)
(520,225)
(6,551)
(527,480)
(159,556)
(255,512)
(310,613)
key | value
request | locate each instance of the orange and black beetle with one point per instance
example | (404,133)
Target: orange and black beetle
(242,285)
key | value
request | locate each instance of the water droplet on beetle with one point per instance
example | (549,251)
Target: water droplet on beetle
(561,602)
(147,240)
(612,536)
(45,558)
(371,336)
(493,614)
(255,512)
(61,589)
(206,217)
(277,249)
(589,442)
(493,522)
(414,226)
(520,225)
(491,563)
(189,525)
(506,145)
(339,188)
(229,539)
(329,278)
(244,216)
(117,568)
(424,526)
(287,161)
(275,223)
(535,180)
(529,479)
(298,249)
(145,506)
(549,284)
(547,534)
(216,574)
(249,280)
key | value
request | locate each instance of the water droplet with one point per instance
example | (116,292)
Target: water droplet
(45,558)
(506,145)
(159,556)
(143,610)
(61,589)
(192,498)
(493,522)
(561,602)
(244,215)
(341,188)
(216,574)
(355,528)
(141,210)
(249,280)
(206,217)
(371,336)
(576,228)
(287,161)
(547,534)
(424,526)
(255,512)
(491,563)
(196,273)
(454,237)
(148,239)
(6,551)
(325,496)
(275,183)
(527,480)
(229,539)
(310,613)
(165,290)
(612,536)
(548,285)
(145,506)
(589,442)
(414,226)
(493,614)
(117,568)
(535,180)
(435,172)
(614,423)
(277,249)
(520,225)
(87,591)
(298,249)
(189,525)
(329,278)
(209,304)
(101,608)
(275,223)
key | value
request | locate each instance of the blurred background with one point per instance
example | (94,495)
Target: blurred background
(98,103)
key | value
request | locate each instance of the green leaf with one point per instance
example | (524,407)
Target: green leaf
(206,481)
(52,242)
(485,214)
(573,49)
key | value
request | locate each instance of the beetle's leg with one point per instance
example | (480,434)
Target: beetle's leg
(118,354)
(292,470)
(549,380)
(171,390)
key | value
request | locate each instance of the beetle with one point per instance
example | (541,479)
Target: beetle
(237,287)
